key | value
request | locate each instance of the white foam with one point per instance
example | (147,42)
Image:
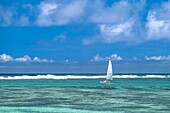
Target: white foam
(126,76)
(50,76)
(156,76)
(144,76)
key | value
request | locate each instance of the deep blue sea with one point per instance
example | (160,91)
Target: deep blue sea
(83,93)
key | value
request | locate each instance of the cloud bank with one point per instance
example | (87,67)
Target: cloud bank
(7,58)
(113,57)
(158,58)
(120,21)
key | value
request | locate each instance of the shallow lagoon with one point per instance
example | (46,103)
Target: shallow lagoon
(124,95)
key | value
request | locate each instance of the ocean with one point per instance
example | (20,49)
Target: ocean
(83,93)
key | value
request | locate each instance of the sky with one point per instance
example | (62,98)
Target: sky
(79,36)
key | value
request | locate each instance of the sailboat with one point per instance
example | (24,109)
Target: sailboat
(109,73)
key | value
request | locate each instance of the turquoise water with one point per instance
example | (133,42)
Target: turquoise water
(124,95)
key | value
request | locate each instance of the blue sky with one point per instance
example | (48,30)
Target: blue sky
(57,36)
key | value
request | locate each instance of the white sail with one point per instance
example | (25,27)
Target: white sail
(109,71)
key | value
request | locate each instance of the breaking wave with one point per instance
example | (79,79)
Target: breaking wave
(50,76)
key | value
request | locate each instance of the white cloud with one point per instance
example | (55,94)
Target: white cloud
(5,58)
(118,32)
(158,58)
(98,58)
(115,29)
(158,22)
(55,13)
(36,59)
(45,10)
(121,21)
(126,25)
(110,33)
(52,13)
(157,29)
(113,57)
(25,58)
(118,12)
